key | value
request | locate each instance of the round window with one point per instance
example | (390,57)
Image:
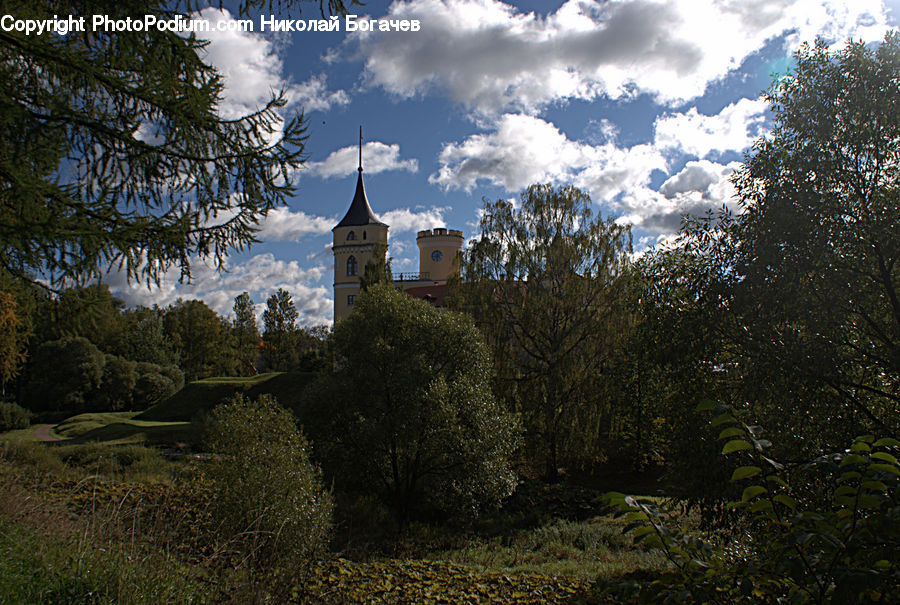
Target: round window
(436,256)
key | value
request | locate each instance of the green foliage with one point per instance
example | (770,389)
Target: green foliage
(271,509)
(405,581)
(791,306)
(91,312)
(544,283)
(280,332)
(200,339)
(408,412)
(144,338)
(15,328)
(117,385)
(822,200)
(839,549)
(378,269)
(62,374)
(245,335)
(103,163)
(13,416)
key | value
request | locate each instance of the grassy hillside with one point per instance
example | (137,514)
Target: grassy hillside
(203,395)
(121,427)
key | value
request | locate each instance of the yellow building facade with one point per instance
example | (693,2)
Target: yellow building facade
(356,239)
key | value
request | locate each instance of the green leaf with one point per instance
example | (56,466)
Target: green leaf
(786,501)
(849,476)
(731,431)
(886,468)
(736,445)
(752,492)
(872,502)
(860,446)
(852,459)
(845,490)
(884,456)
(743,472)
(705,405)
(777,479)
(887,442)
(722,419)
(877,486)
(761,505)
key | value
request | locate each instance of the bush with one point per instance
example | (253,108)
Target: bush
(13,416)
(270,505)
(409,413)
(117,385)
(155,383)
(840,549)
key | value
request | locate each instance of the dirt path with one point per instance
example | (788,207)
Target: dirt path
(42,432)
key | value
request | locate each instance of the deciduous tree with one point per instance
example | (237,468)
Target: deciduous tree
(409,412)
(245,334)
(280,332)
(543,280)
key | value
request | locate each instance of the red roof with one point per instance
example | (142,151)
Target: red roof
(435,294)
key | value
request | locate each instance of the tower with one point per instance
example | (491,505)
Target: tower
(355,238)
(438,252)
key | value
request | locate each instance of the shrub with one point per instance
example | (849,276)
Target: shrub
(799,550)
(270,505)
(13,416)
(116,386)
(154,384)
(409,413)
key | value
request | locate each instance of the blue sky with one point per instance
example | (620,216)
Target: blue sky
(648,106)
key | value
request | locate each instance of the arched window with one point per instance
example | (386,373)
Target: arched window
(351,265)
(352,235)
(364,235)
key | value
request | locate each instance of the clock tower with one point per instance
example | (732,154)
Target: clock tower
(438,252)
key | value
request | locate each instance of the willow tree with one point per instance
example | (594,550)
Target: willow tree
(544,281)
(113,150)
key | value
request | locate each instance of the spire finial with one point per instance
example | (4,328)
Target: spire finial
(360,148)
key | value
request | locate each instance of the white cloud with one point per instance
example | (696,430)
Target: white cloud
(377,157)
(405,219)
(260,275)
(732,129)
(493,58)
(283,225)
(523,150)
(252,71)
(699,187)
(313,95)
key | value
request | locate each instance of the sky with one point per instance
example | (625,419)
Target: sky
(648,106)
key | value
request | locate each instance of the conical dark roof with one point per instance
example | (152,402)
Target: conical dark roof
(360,213)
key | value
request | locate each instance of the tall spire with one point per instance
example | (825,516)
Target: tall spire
(360,148)
(360,213)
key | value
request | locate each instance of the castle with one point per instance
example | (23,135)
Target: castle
(356,238)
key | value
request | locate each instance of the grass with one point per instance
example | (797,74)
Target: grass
(201,396)
(19,435)
(95,523)
(581,550)
(121,428)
